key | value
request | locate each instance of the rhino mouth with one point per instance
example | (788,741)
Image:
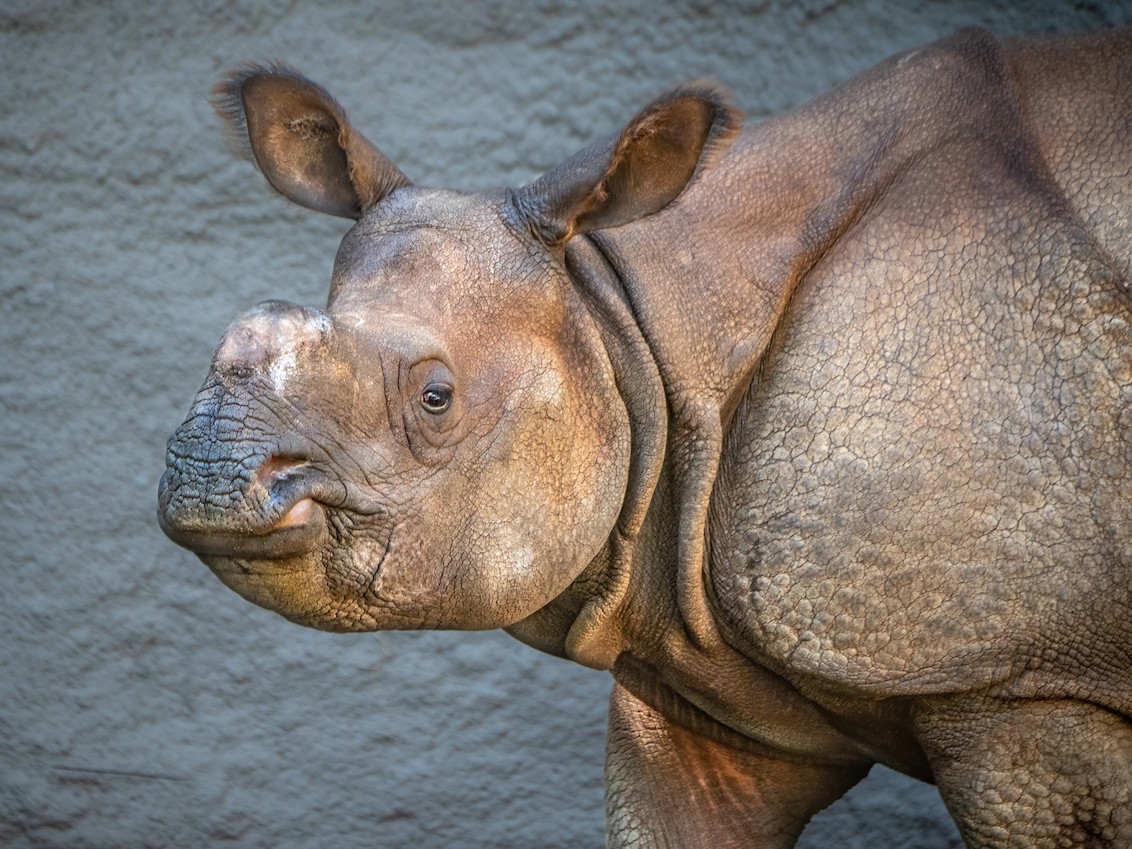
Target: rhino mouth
(299,531)
(288,519)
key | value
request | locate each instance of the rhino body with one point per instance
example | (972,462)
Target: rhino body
(816,434)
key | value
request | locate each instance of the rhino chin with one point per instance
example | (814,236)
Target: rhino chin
(293,587)
(269,582)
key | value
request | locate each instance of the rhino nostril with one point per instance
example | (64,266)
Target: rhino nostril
(284,483)
(275,469)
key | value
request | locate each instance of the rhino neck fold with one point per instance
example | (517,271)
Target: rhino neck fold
(584,622)
(654,559)
(658,564)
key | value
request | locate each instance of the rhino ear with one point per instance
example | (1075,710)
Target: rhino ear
(636,173)
(300,139)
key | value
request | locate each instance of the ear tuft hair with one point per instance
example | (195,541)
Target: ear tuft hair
(227,100)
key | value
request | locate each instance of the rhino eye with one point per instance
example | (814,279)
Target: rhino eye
(436,398)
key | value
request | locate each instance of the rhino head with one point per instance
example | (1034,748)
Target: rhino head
(448,443)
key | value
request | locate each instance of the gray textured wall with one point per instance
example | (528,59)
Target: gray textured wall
(141,703)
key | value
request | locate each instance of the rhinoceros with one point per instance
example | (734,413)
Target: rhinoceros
(816,434)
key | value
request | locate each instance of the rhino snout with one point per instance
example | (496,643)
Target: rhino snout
(228,489)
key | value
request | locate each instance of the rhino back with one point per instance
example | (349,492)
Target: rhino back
(1077,100)
(926,488)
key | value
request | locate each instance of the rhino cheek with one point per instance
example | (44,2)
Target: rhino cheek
(555,504)
(486,550)
(482,581)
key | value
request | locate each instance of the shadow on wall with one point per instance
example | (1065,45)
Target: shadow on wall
(143,703)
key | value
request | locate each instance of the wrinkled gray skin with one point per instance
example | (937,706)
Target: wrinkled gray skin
(816,434)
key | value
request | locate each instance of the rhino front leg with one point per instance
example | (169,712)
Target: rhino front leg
(1038,774)
(668,786)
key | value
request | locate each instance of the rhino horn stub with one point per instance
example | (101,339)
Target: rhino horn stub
(269,336)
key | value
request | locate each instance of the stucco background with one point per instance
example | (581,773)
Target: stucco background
(141,703)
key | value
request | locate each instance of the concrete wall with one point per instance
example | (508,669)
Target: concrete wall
(141,703)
